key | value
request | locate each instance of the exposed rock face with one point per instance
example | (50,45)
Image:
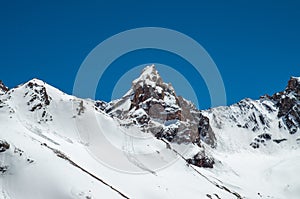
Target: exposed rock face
(201,160)
(261,139)
(294,85)
(3,88)
(288,103)
(3,146)
(205,131)
(155,97)
(247,114)
(38,95)
(155,107)
(100,105)
(37,99)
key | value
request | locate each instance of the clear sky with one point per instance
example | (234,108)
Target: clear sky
(255,44)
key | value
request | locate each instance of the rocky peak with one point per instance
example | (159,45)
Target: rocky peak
(153,105)
(35,94)
(157,98)
(294,86)
(288,103)
(38,89)
(148,77)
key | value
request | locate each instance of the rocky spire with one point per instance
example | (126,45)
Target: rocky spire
(154,106)
(149,92)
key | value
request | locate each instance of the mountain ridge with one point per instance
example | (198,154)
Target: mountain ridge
(224,150)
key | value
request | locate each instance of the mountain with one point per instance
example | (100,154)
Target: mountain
(153,105)
(151,143)
(271,120)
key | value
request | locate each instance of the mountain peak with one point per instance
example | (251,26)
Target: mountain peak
(149,86)
(37,81)
(153,105)
(150,70)
(294,85)
(149,76)
(150,79)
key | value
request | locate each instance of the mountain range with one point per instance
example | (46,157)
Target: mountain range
(151,143)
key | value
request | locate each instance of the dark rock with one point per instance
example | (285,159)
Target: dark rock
(3,169)
(201,160)
(38,95)
(3,146)
(3,88)
(205,131)
(265,136)
(294,86)
(80,108)
(101,105)
(168,134)
(279,140)
(262,119)
(288,103)
(254,145)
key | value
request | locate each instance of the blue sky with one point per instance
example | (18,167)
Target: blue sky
(255,44)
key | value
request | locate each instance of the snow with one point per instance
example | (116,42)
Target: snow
(170,100)
(37,81)
(297,78)
(159,89)
(149,76)
(261,174)
(139,113)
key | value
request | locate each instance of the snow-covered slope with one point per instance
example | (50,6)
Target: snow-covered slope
(53,145)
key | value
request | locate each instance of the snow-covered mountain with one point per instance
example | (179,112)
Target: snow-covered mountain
(153,105)
(270,121)
(151,143)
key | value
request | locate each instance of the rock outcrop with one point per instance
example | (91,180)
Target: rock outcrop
(3,88)
(288,103)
